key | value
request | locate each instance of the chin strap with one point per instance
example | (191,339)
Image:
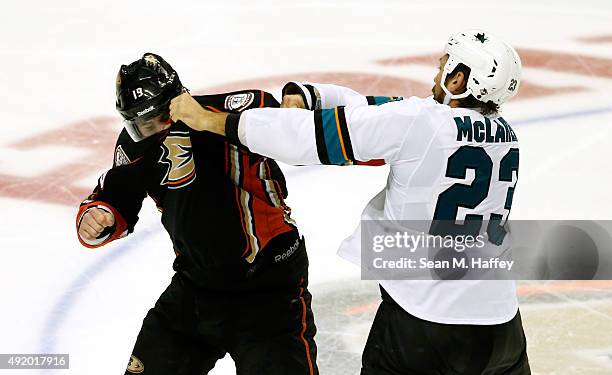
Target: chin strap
(447,97)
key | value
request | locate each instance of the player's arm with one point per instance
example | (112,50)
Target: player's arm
(338,135)
(315,96)
(237,101)
(323,96)
(111,211)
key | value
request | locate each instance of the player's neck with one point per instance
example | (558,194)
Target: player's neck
(454,103)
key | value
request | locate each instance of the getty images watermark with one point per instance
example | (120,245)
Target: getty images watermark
(477,250)
(412,242)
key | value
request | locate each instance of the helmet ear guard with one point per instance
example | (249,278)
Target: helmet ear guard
(448,69)
(495,67)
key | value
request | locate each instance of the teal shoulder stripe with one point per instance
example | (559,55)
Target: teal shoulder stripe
(378,100)
(332,140)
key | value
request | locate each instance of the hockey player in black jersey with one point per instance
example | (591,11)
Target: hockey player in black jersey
(241,278)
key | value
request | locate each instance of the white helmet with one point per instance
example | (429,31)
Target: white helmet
(495,67)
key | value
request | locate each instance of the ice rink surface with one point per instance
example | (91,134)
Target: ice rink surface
(58,66)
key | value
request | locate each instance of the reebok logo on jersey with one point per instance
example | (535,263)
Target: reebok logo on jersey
(239,102)
(288,253)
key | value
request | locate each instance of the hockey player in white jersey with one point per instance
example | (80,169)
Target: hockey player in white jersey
(452,157)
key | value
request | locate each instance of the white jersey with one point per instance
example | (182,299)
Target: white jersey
(431,149)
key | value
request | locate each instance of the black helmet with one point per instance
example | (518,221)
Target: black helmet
(144,90)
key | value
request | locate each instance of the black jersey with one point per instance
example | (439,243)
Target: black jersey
(222,205)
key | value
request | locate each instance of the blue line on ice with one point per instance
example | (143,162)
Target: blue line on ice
(561,116)
(70,297)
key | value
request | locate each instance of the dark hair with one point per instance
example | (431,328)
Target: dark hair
(487,108)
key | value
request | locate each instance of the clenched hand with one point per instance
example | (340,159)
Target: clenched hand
(186,109)
(293,101)
(94,222)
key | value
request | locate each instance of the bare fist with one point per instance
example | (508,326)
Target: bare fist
(293,101)
(94,222)
(186,109)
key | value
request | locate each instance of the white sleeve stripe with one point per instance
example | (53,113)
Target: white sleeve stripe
(306,95)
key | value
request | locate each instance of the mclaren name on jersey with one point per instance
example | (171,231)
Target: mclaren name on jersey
(494,130)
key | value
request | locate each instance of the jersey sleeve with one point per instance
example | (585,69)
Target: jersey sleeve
(325,96)
(237,101)
(339,136)
(120,191)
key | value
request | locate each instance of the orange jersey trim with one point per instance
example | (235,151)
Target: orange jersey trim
(303,331)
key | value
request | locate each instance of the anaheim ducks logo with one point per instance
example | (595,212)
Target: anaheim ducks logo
(178,155)
(135,366)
